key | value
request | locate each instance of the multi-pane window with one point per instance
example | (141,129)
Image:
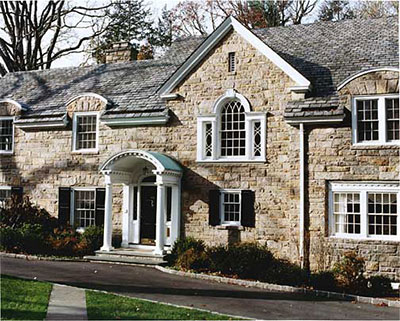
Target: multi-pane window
(231,62)
(208,140)
(233,131)
(6,135)
(382,213)
(369,210)
(86,131)
(347,213)
(230,207)
(392,119)
(367,120)
(257,146)
(85,209)
(5,194)
(376,120)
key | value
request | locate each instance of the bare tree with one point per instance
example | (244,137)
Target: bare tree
(33,32)
(300,9)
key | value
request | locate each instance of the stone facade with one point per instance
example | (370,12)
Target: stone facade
(44,161)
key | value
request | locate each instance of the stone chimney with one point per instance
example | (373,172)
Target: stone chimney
(120,52)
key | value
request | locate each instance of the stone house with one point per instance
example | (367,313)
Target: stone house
(287,136)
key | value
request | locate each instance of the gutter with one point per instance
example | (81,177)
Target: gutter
(40,124)
(302,202)
(122,121)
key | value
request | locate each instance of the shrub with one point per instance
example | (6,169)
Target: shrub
(349,272)
(324,280)
(67,242)
(379,286)
(193,259)
(93,236)
(16,213)
(246,260)
(9,239)
(284,272)
(182,245)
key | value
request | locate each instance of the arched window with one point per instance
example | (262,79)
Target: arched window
(232,133)
(233,129)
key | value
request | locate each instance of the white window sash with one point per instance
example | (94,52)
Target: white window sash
(222,208)
(2,151)
(363,189)
(382,121)
(75,132)
(73,208)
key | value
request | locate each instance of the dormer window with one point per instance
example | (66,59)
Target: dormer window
(231,62)
(6,135)
(232,133)
(85,132)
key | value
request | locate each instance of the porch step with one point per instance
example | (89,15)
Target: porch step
(126,260)
(132,256)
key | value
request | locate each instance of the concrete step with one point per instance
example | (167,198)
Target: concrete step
(126,259)
(130,253)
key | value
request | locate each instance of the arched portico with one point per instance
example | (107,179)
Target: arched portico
(140,171)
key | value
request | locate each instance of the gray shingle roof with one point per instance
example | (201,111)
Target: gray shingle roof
(326,53)
(129,87)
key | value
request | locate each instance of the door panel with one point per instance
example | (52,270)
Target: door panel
(148,202)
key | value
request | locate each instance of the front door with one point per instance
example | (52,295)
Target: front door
(148,201)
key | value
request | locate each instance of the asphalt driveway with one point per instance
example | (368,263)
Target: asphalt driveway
(149,283)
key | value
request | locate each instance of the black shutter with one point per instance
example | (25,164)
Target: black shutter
(100,200)
(64,205)
(17,191)
(248,215)
(213,203)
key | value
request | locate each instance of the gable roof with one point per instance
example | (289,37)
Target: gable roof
(214,38)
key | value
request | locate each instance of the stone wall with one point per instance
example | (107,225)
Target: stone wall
(331,156)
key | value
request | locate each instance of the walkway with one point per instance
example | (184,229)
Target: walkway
(67,303)
(152,284)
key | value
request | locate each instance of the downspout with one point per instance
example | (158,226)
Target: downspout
(302,205)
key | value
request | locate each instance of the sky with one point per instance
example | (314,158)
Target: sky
(78,58)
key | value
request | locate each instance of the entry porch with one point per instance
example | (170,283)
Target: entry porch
(151,201)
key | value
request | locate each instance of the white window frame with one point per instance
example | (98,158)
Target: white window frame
(75,132)
(222,192)
(382,120)
(72,205)
(215,120)
(5,188)
(363,188)
(13,135)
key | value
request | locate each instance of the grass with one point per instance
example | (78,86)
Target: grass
(23,299)
(102,306)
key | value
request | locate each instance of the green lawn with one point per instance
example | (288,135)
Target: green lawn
(23,299)
(101,306)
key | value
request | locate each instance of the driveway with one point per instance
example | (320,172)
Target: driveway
(149,283)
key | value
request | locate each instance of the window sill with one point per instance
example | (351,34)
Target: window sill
(364,238)
(222,161)
(2,152)
(359,146)
(86,151)
(230,227)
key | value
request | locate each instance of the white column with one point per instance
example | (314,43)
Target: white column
(107,244)
(126,216)
(175,215)
(301,219)
(160,219)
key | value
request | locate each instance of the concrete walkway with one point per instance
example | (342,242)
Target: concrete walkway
(66,303)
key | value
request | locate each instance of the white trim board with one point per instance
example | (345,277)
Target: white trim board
(361,73)
(212,40)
